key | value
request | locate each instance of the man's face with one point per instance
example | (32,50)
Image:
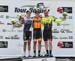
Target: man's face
(46,13)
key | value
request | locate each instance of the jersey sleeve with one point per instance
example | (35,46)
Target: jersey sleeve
(43,21)
(51,19)
(58,21)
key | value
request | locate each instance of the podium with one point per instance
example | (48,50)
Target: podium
(41,59)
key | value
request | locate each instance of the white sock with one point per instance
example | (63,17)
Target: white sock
(29,52)
(24,53)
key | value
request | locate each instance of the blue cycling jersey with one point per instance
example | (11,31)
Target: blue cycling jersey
(27,23)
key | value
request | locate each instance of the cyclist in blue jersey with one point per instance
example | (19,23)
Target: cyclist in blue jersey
(27,33)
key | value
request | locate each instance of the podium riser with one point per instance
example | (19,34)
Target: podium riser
(40,59)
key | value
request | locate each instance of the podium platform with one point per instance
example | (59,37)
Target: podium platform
(40,59)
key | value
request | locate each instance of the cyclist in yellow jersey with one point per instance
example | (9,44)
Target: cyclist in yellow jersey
(47,32)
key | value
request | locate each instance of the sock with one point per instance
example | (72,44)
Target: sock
(29,52)
(38,52)
(47,51)
(34,51)
(50,52)
(24,53)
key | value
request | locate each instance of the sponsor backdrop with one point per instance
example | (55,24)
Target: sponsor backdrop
(11,38)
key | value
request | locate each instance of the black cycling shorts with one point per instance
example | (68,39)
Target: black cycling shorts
(47,35)
(37,33)
(27,35)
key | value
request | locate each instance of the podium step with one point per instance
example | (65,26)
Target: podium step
(41,59)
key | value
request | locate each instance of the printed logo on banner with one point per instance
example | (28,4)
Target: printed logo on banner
(66,31)
(44,59)
(23,8)
(63,37)
(55,31)
(65,44)
(3,44)
(3,8)
(6,30)
(67,9)
(64,9)
(1,16)
(1,37)
(66,37)
(19,30)
(65,24)
(12,37)
(70,17)
(1,22)
(7,17)
(20,10)
(55,37)
(62,31)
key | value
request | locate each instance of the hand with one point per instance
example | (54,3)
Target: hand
(17,25)
(58,24)
(65,15)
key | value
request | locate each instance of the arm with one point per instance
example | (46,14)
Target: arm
(61,19)
(19,24)
(64,16)
(43,21)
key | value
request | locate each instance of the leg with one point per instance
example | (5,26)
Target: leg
(50,47)
(29,47)
(45,37)
(46,47)
(50,44)
(34,41)
(34,47)
(25,44)
(39,46)
(29,42)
